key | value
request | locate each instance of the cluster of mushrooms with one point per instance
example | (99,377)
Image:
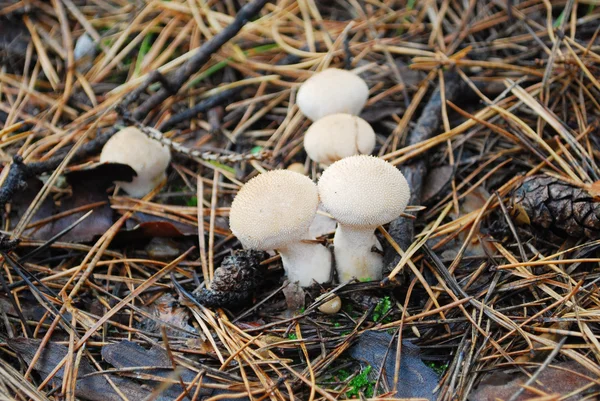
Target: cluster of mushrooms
(274,210)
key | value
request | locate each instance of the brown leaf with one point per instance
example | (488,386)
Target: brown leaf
(558,379)
(436,180)
(88,187)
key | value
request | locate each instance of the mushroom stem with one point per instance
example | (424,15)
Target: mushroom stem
(354,253)
(305,262)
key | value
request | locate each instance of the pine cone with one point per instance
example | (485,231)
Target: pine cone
(235,280)
(560,207)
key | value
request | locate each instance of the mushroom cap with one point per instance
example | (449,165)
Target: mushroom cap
(274,209)
(332,91)
(336,136)
(149,159)
(297,168)
(332,306)
(363,191)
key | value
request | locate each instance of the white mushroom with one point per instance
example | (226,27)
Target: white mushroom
(147,157)
(361,193)
(336,136)
(332,91)
(274,211)
(321,224)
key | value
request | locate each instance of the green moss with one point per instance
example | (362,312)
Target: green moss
(438,367)
(383,307)
(361,384)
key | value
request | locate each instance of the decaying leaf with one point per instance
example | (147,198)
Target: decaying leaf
(167,310)
(435,181)
(416,379)
(88,187)
(559,379)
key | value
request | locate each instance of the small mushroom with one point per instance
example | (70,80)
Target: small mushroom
(332,91)
(274,211)
(147,157)
(332,306)
(297,168)
(361,193)
(336,136)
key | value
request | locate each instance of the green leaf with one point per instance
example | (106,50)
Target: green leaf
(559,20)
(144,49)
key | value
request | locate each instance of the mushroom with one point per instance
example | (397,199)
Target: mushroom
(297,168)
(361,193)
(336,136)
(149,159)
(274,211)
(332,306)
(332,91)
(321,224)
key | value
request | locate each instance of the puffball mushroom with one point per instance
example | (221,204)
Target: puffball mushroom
(336,136)
(361,193)
(274,211)
(332,91)
(332,306)
(149,159)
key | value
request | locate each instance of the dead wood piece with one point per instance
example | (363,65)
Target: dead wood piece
(402,229)
(94,388)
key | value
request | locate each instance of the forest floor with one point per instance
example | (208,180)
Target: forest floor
(489,108)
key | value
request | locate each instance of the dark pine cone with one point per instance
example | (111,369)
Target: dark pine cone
(557,206)
(235,280)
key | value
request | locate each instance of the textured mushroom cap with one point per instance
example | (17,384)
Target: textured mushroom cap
(274,209)
(363,191)
(332,91)
(337,136)
(147,157)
